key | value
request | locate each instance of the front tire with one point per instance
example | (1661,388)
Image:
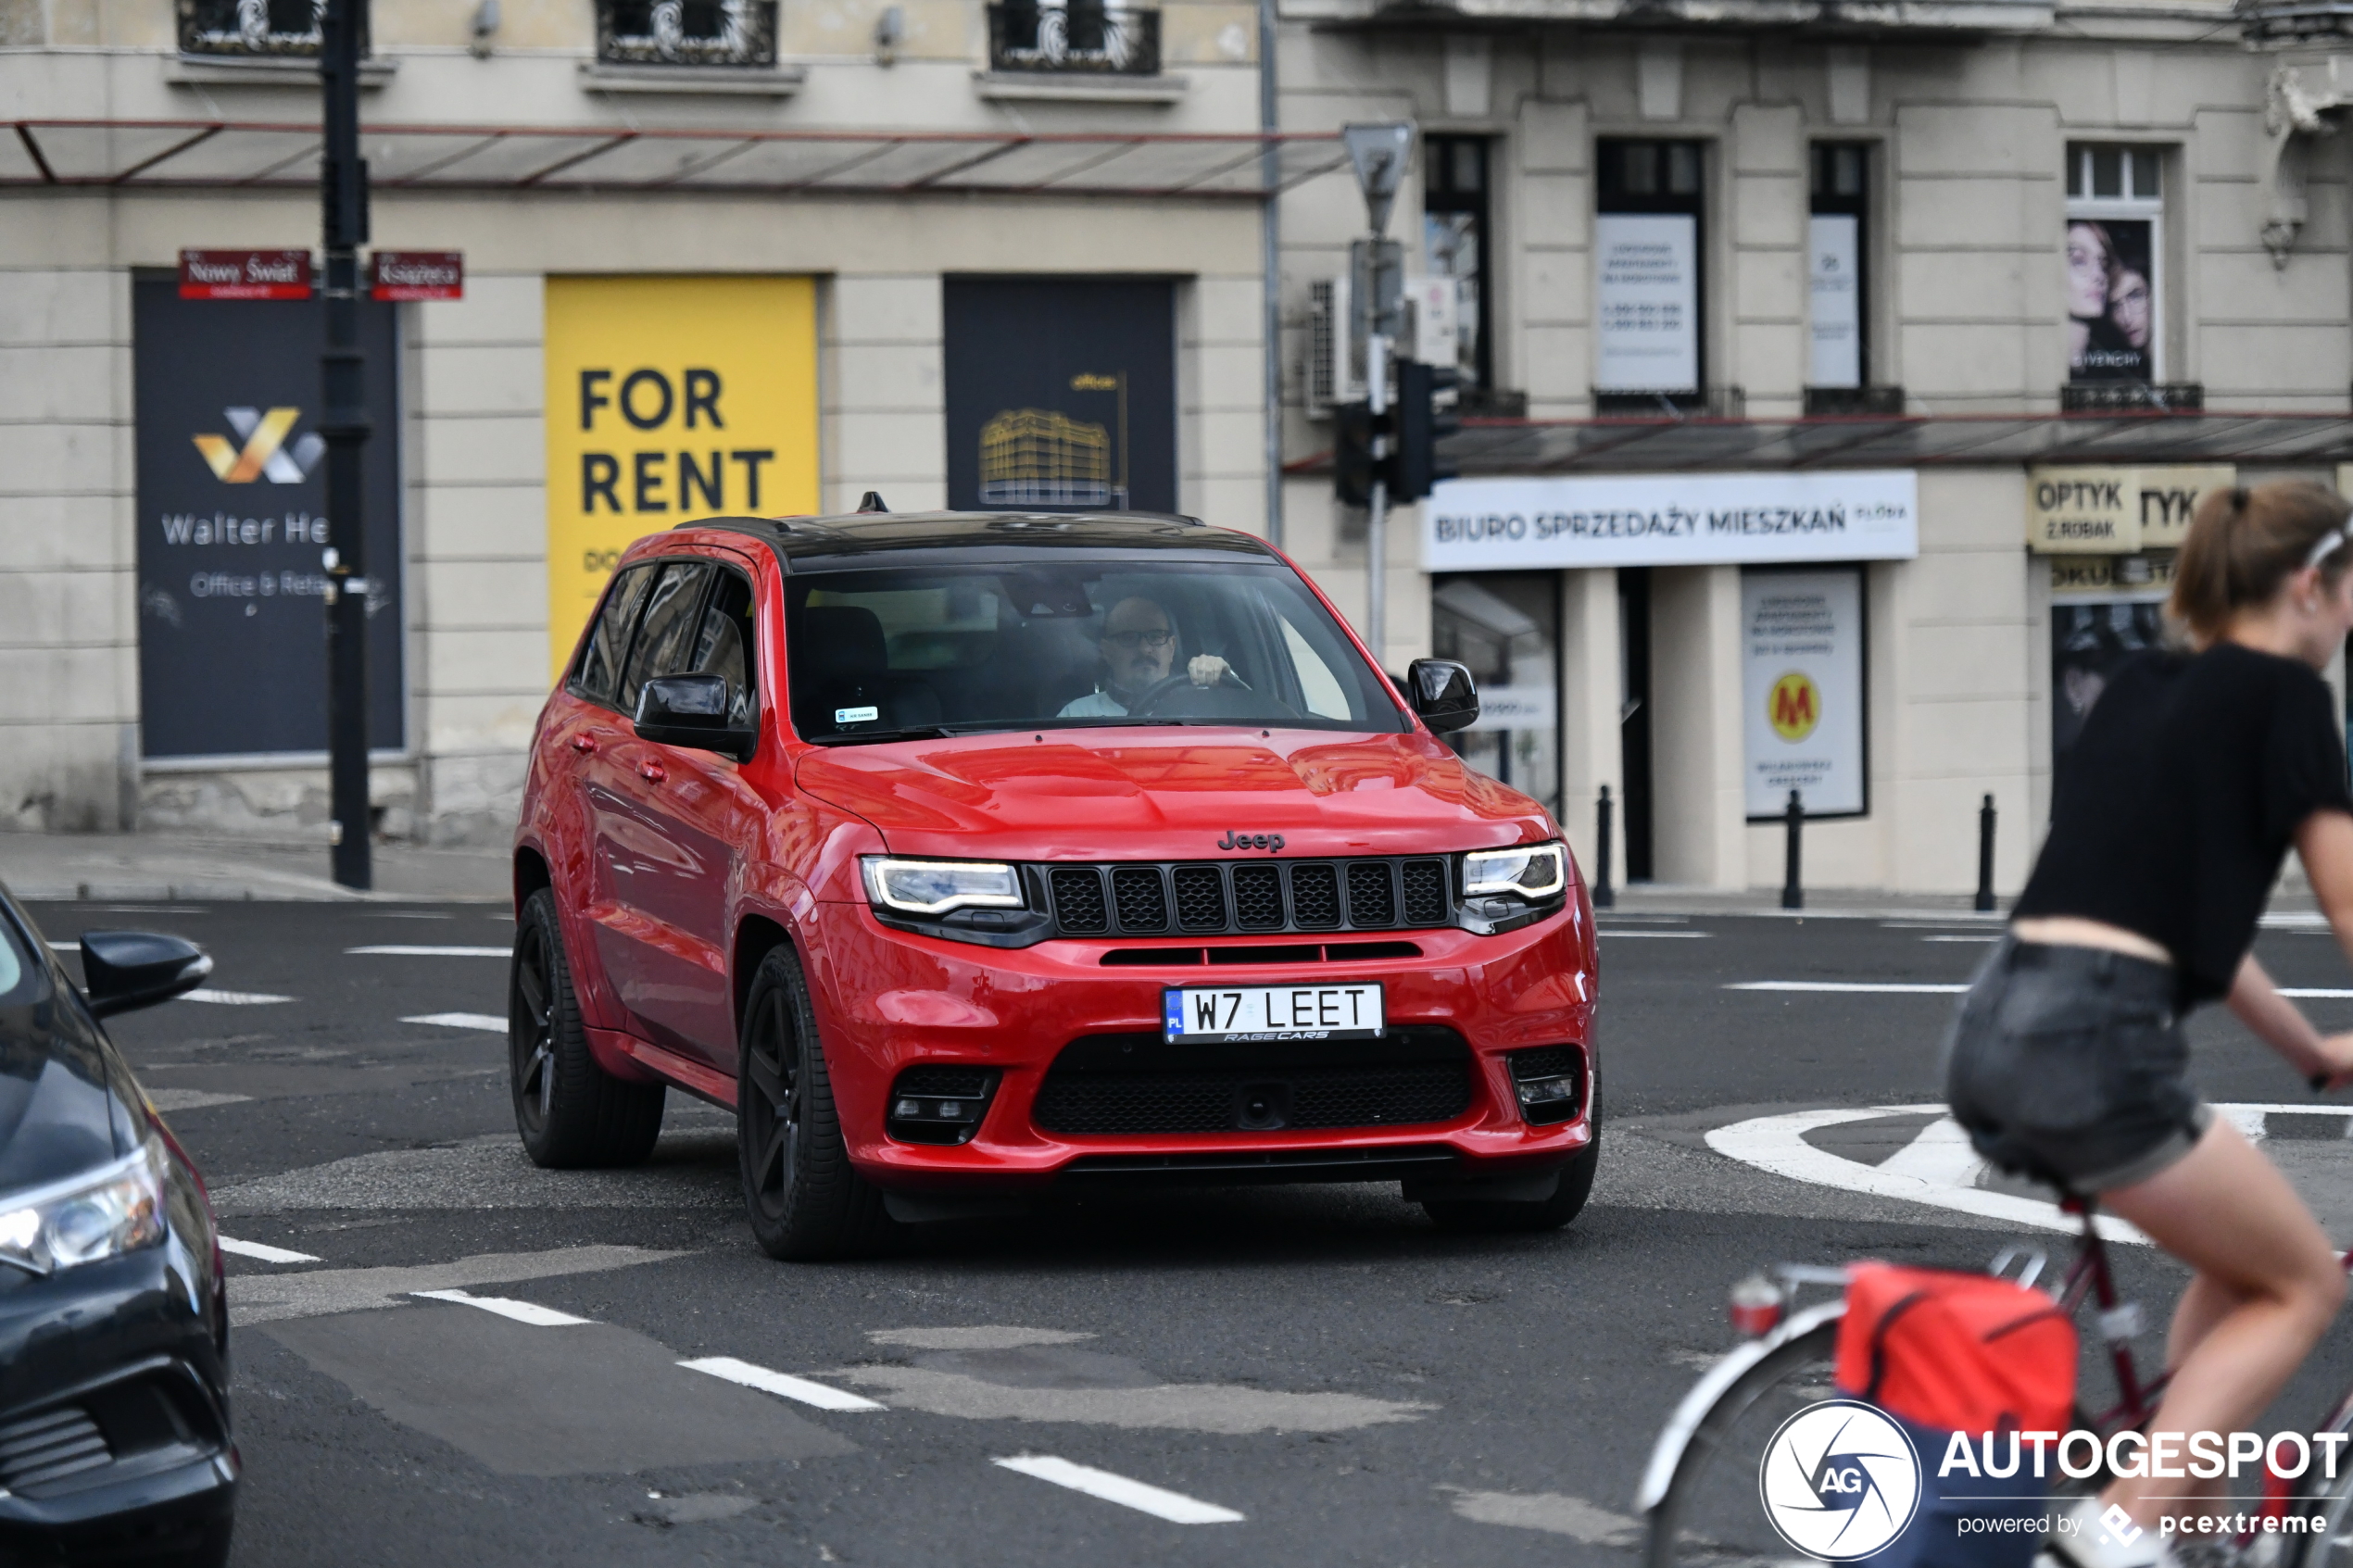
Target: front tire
(1492,1217)
(571,1112)
(804,1200)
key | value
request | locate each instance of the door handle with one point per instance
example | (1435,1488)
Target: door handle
(652,772)
(585,745)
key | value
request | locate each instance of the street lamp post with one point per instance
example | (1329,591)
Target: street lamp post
(1379,153)
(343,190)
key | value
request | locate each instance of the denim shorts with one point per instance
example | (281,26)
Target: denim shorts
(2068,1064)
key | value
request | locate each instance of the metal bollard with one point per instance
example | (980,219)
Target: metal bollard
(1793,895)
(1985,855)
(1603,895)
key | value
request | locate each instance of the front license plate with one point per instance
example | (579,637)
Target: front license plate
(1271,1012)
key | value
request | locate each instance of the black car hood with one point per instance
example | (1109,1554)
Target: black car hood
(60,1111)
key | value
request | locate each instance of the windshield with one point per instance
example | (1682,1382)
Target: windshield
(18,966)
(934,650)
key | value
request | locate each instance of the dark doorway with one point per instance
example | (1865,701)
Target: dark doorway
(1634,715)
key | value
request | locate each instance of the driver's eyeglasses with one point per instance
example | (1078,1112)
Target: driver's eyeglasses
(1129,642)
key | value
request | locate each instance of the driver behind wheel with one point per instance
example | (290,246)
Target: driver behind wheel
(1138,642)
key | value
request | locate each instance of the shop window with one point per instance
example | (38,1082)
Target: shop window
(1647,312)
(1838,376)
(2113,259)
(687,32)
(1505,627)
(1455,247)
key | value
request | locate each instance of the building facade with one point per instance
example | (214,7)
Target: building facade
(1723,281)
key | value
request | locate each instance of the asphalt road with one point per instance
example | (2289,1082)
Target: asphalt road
(1320,1361)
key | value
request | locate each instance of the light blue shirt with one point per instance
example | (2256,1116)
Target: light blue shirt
(1097,704)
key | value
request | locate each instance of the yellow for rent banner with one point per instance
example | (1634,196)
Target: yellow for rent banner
(668,399)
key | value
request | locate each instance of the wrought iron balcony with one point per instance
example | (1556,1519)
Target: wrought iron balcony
(255,28)
(2132,397)
(2290,21)
(728,34)
(1081,36)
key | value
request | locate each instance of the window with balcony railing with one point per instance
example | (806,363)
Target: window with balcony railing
(723,33)
(1078,36)
(254,27)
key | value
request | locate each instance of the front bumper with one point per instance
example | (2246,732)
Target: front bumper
(888,1000)
(114,1419)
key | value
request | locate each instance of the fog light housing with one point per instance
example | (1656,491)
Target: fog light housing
(940,1104)
(1549,1083)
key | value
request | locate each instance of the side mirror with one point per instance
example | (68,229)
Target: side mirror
(123,971)
(691,711)
(1443,693)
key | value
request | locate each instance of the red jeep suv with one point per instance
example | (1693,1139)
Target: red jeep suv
(971,856)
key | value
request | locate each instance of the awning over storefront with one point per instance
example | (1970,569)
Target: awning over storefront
(1528,447)
(181,154)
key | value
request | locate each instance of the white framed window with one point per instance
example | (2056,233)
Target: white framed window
(2114,259)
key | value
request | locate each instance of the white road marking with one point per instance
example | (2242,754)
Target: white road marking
(191,1099)
(1856,987)
(1160,1503)
(412,951)
(823,1396)
(1972,938)
(1778,1144)
(57,947)
(522,1311)
(1676,935)
(2317,993)
(232,999)
(1942,1153)
(488,1021)
(264,1251)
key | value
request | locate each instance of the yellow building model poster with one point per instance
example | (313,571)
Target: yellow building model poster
(669,399)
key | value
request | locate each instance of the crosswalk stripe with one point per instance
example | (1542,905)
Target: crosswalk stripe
(1656,935)
(264,1253)
(1890,987)
(490,1021)
(410,950)
(784,1385)
(1160,1503)
(521,1312)
(232,999)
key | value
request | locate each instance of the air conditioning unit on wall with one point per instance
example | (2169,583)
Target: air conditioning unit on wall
(1335,369)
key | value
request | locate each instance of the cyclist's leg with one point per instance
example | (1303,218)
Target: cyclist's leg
(2268,1285)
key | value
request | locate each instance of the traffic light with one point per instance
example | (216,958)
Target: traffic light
(1354,464)
(1427,410)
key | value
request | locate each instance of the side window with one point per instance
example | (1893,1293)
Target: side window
(724,644)
(665,639)
(609,639)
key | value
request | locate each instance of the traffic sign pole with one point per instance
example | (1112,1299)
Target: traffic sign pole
(343,192)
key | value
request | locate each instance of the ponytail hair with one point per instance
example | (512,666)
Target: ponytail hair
(2244,544)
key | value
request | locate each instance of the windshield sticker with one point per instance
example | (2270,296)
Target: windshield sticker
(856,715)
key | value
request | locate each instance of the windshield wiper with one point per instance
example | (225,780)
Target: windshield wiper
(911,732)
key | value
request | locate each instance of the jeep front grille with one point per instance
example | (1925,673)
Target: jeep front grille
(1230,897)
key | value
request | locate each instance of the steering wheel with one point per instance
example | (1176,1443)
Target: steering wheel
(1175,697)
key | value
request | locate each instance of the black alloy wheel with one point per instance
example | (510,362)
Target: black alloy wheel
(571,1112)
(804,1200)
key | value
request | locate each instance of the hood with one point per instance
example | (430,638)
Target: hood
(58,1112)
(1169,793)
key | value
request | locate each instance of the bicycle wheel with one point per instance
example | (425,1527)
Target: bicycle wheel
(1710,1513)
(2326,1502)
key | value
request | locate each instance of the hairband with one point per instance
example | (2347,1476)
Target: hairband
(2325,548)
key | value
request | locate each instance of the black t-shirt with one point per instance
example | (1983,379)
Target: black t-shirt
(2181,798)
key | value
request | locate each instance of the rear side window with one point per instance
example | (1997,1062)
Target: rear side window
(724,647)
(608,638)
(665,639)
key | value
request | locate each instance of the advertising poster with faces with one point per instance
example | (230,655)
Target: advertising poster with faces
(2099,619)
(2111,299)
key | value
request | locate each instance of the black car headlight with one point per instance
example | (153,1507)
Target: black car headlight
(86,1219)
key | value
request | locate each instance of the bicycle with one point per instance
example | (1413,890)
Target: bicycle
(1699,1498)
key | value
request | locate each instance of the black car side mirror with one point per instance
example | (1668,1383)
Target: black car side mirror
(691,711)
(123,971)
(1443,693)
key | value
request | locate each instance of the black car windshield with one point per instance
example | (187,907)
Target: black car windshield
(930,650)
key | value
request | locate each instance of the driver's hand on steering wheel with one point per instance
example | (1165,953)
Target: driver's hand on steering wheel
(1206,668)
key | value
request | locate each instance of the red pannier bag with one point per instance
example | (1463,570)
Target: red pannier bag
(1944,1353)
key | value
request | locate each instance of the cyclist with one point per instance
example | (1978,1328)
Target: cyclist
(2192,775)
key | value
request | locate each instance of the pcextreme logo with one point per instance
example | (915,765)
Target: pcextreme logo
(266,454)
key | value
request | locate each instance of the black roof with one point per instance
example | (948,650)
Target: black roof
(941,538)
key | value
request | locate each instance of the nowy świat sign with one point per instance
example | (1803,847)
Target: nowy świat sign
(1671,520)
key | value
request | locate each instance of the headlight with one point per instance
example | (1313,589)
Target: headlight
(934,888)
(102,1213)
(1533,871)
